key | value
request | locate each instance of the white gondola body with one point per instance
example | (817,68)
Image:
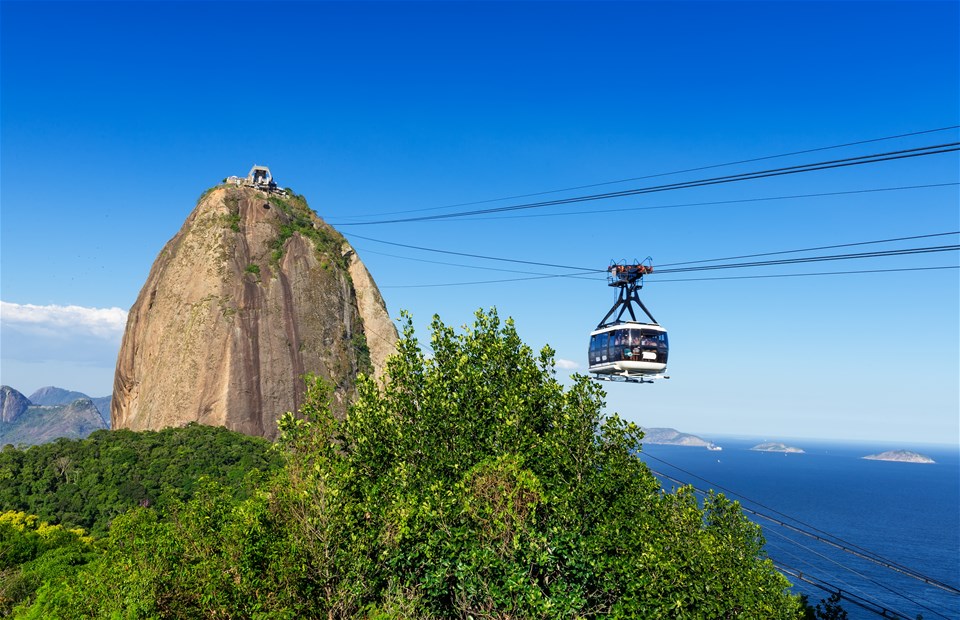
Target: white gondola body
(629,349)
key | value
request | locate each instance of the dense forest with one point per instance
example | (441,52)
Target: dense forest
(470,483)
(87,482)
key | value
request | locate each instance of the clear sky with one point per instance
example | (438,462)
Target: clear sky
(116,116)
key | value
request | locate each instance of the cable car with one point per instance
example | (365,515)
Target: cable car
(632,351)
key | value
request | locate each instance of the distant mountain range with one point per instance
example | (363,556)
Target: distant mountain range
(50,413)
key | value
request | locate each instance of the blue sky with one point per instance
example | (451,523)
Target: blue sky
(116,116)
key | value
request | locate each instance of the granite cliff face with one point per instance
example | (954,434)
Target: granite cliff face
(12,404)
(253,292)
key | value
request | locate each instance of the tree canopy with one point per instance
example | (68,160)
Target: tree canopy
(469,483)
(88,482)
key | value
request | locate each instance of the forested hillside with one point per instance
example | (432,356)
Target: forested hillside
(470,484)
(87,482)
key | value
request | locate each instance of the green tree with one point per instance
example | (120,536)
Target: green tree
(490,490)
(830,609)
(33,551)
(88,482)
(469,483)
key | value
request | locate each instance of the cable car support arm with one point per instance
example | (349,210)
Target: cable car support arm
(629,280)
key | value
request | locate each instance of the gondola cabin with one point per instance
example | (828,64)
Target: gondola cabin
(629,351)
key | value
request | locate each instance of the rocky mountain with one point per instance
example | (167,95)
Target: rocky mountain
(55,413)
(253,291)
(52,395)
(103,406)
(42,423)
(55,396)
(12,404)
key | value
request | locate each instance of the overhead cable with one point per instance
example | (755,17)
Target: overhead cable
(594,270)
(883,612)
(778,552)
(446,264)
(780,262)
(886,564)
(816,259)
(708,204)
(814,249)
(543,277)
(849,549)
(818,273)
(663,174)
(809,550)
(496,258)
(774,172)
(654,278)
(778,275)
(818,534)
(581,272)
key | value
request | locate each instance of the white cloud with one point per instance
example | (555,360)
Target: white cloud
(63,321)
(566,364)
(59,345)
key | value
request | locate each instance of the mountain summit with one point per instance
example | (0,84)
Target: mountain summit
(253,292)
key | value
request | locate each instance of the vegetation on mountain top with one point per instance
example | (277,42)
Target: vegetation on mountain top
(303,220)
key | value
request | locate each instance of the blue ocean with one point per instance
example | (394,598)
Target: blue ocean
(906,515)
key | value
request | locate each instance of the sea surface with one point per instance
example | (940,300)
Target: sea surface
(905,514)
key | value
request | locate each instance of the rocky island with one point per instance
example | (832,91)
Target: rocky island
(673,437)
(774,446)
(900,456)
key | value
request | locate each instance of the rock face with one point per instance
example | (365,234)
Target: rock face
(253,292)
(12,404)
(102,404)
